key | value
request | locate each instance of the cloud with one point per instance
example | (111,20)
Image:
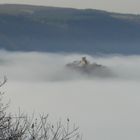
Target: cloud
(104,108)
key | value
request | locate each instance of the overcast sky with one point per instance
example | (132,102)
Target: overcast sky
(125,6)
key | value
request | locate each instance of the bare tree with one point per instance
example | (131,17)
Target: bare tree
(22,127)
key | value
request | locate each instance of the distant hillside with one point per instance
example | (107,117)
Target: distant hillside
(52,29)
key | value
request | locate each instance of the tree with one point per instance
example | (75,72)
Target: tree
(23,127)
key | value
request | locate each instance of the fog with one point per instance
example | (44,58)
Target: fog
(105,108)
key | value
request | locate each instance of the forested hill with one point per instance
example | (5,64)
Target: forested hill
(52,29)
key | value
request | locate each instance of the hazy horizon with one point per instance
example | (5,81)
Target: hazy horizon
(120,6)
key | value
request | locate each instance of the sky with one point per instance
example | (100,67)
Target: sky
(121,6)
(103,108)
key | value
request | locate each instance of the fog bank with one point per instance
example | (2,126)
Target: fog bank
(104,108)
(39,67)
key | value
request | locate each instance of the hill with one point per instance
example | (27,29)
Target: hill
(53,29)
